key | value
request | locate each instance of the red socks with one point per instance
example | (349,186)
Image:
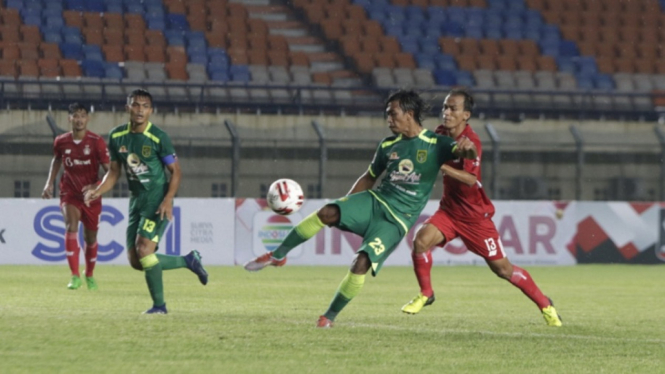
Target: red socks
(90,258)
(522,280)
(72,251)
(422,266)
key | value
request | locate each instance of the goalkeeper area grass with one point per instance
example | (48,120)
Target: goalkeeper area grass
(265,322)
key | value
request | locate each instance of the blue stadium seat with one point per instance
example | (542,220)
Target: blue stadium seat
(26,12)
(177,22)
(154,10)
(174,37)
(568,48)
(464,78)
(156,24)
(239,73)
(473,31)
(453,29)
(114,8)
(95,6)
(76,5)
(425,61)
(377,14)
(429,47)
(52,37)
(71,51)
(52,12)
(445,77)
(53,5)
(436,14)
(92,68)
(92,52)
(14,4)
(198,57)
(134,8)
(494,32)
(363,3)
(516,33)
(445,62)
(586,65)
(32,20)
(603,82)
(112,70)
(566,64)
(219,76)
(52,22)
(584,82)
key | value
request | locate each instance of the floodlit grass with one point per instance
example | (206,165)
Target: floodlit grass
(264,322)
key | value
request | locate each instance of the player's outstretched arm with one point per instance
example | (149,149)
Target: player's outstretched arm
(465,149)
(108,182)
(53,171)
(459,175)
(365,182)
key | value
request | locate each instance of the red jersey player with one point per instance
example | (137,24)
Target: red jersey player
(82,152)
(466,212)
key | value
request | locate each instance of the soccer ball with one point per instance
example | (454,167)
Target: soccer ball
(285,196)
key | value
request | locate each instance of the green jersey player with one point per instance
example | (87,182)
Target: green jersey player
(146,152)
(411,160)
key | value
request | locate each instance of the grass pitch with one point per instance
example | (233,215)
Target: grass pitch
(264,322)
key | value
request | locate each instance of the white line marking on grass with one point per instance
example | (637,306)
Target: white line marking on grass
(496,333)
(513,334)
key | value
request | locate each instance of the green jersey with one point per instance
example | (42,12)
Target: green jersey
(412,167)
(143,155)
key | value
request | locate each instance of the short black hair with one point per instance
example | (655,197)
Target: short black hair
(75,107)
(410,100)
(140,92)
(469,103)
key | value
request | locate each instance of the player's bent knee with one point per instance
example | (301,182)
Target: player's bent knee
(329,214)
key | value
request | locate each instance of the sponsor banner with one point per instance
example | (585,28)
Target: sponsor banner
(233,231)
(533,233)
(32,231)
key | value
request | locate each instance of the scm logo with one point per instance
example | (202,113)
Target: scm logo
(50,227)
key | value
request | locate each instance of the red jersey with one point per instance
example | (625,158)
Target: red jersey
(81,161)
(462,202)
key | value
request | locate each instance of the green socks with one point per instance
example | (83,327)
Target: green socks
(347,290)
(153,277)
(171,262)
(303,231)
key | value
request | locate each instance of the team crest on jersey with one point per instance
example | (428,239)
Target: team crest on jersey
(68,151)
(122,149)
(421,156)
(394,156)
(86,150)
(145,151)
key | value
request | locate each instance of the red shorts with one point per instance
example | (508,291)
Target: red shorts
(479,237)
(89,215)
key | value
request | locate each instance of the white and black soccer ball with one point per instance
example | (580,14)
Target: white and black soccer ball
(285,196)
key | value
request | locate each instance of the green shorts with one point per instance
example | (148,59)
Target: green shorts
(143,221)
(363,214)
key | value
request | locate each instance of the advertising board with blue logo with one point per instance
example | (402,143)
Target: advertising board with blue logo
(33,231)
(233,231)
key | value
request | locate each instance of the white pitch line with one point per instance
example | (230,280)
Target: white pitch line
(495,333)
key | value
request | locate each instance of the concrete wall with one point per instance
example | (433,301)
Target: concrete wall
(275,146)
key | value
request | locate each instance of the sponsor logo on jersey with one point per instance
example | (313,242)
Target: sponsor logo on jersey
(394,156)
(135,165)
(122,149)
(146,150)
(74,162)
(405,167)
(421,156)
(405,174)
